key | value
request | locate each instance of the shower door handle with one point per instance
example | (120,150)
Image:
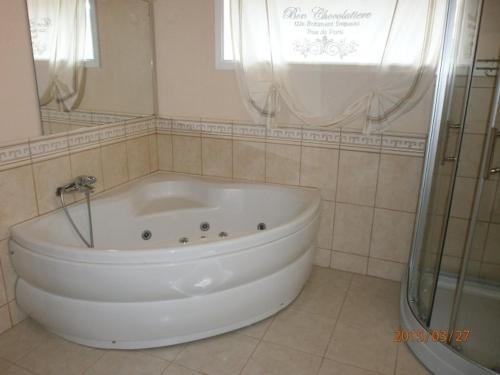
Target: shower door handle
(491,170)
(449,125)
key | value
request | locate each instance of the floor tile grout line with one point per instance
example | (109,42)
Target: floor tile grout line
(104,352)
(323,356)
(261,339)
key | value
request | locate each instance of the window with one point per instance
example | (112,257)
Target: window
(41,24)
(345,32)
(224,58)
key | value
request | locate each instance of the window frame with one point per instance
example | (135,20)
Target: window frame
(220,63)
(96,61)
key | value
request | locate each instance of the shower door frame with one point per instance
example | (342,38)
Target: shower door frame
(439,356)
(442,93)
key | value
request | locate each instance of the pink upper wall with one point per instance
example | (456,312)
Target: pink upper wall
(188,83)
(20,117)
(190,86)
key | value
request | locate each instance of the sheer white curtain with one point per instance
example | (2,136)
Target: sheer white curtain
(331,61)
(58,29)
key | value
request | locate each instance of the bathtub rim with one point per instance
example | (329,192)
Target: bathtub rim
(172,254)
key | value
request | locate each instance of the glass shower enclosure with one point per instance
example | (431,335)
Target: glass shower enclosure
(452,298)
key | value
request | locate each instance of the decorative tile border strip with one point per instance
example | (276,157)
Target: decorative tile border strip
(344,139)
(85,116)
(244,131)
(355,141)
(324,138)
(284,135)
(163,126)
(186,127)
(410,145)
(80,140)
(47,147)
(14,154)
(17,153)
(111,133)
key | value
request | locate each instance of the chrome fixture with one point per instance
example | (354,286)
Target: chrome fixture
(261,226)
(223,234)
(183,240)
(205,226)
(81,184)
(146,235)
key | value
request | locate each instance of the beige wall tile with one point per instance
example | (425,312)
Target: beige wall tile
(357,177)
(495,210)
(325,231)
(463,197)
(322,257)
(88,163)
(17,198)
(385,269)
(187,154)
(138,157)
(5,323)
(398,182)
(16,313)
(451,264)
(349,262)
(165,152)
(352,228)
(318,168)
(490,272)
(114,164)
(50,174)
(9,275)
(470,155)
(392,234)
(249,160)
(282,163)
(456,235)
(153,153)
(217,157)
(492,250)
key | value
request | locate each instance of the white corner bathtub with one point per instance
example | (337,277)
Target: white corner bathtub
(129,293)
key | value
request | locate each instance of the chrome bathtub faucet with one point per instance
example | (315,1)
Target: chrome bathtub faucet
(82,184)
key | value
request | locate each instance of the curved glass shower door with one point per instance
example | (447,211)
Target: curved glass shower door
(454,276)
(477,300)
(422,288)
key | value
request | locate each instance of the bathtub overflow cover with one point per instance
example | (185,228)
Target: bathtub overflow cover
(261,226)
(146,235)
(204,226)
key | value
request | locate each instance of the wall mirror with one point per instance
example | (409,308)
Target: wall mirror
(93,61)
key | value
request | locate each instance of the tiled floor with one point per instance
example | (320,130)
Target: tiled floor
(340,324)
